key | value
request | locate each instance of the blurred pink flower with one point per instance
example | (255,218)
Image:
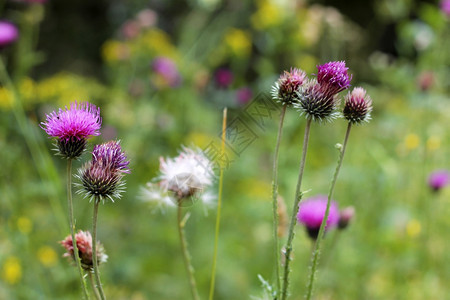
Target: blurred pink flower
(8,33)
(223,78)
(147,18)
(244,95)
(130,29)
(445,7)
(167,70)
(439,179)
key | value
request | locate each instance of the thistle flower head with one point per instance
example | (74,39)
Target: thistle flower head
(345,217)
(84,245)
(312,211)
(72,127)
(358,106)
(333,75)
(101,178)
(315,103)
(286,88)
(8,33)
(439,179)
(181,178)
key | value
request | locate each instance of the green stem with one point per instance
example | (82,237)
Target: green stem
(94,249)
(298,196)
(219,208)
(72,227)
(316,252)
(94,288)
(275,202)
(186,256)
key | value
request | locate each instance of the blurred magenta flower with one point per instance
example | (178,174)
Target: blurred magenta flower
(333,77)
(244,95)
(288,85)
(84,245)
(358,106)
(223,78)
(312,211)
(439,179)
(167,70)
(445,7)
(101,177)
(425,80)
(8,33)
(73,126)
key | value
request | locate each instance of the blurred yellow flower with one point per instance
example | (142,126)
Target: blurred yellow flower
(239,42)
(256,188)
(12,270)
(433,143)
(113,51)
(268,15)
(158,42)
(47,256)
(5,98)
(412,141)
(413,228)
(24,225)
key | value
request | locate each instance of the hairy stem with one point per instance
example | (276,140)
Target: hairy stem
(94,288)
(275,202)
(72,228)
(186,256)
(298,196)
(219,208)
(94,249)
(316,251)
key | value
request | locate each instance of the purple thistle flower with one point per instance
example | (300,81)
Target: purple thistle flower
(8,33)
(358,106)
(73,127)
(333,77)
(101,178)
(439,179)
(223,78)
(288,85)
(312,211)
(244,95)
(316,104)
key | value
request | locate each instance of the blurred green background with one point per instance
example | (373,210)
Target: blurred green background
(226,54)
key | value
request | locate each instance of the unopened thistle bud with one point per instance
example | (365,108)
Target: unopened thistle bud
(333,77)
(288,85)
(84,246)
(345,216)
(72,127)
(358,106)
(101,178)
(316,103)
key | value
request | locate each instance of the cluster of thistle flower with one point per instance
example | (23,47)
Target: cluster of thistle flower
(318,100)
(101,178)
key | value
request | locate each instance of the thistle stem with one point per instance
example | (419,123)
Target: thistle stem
(219,208)
(94,249)
(91,280)
(316,251)
(186,256)
(72,228)
(298,196)
(275,202)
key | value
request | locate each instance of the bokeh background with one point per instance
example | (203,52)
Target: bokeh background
(162,71)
